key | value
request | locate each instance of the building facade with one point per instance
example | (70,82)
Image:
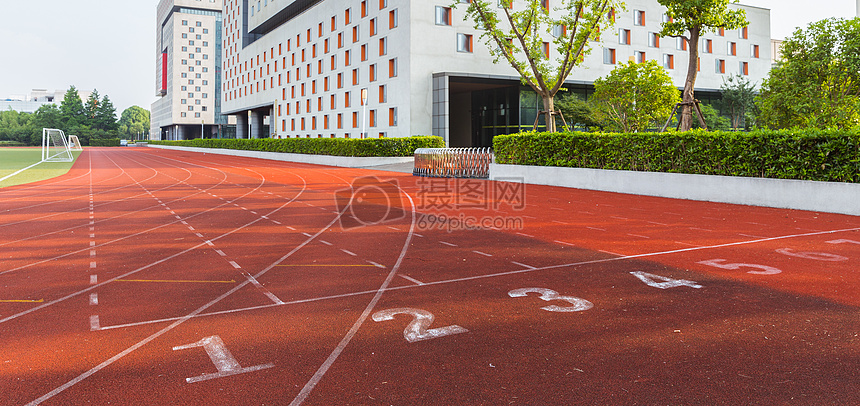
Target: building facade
(188,71)
(395,68)
(38,98)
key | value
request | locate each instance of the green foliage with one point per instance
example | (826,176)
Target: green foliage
(105,118)
(690,19)
(738,99)
(91,108)
(517,31)
(373,147)
(817,83)
(72,108)
(713,119)
(134,120)
(577,112)
(821,155)
(634,97)
(104,142)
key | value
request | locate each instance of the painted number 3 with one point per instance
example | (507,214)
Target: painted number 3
(551,295)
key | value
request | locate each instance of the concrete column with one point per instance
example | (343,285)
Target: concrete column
(180,133)
(242,125)
(257,124)
(273,120)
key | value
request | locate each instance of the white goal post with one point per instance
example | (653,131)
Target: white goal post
(75,143)
(55,147)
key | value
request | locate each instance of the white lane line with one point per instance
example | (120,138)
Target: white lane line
(525,235)
(291,228)
(595,228)
(199,235)
(92,236)
(413,280)
(637,235)
(586,212)
(221,253)
(235,265)
(419,235)
(700,229)
(258,285)
(92,243)
(393,228)
(253,212)
(482,253)
(94,299)
(619,218)
(654,222)
(523,265)
(448,244)
(611,253)
(209,243)
(349,252)
(94,323)
(92,264)
(376,264)
(19,171)
(307,235)
(183,222)
(326,243)
(94,279)
(92,253)
(276,222)
(564,243)
(191,228)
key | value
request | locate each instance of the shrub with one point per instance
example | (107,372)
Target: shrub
(821,155)
(373,147)
(104,142)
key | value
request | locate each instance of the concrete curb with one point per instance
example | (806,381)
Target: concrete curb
(342,161)
(829,197)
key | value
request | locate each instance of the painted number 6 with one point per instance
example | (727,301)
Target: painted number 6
(417,329)
(765,270)
(551,295)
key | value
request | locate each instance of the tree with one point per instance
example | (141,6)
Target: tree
(817,83)
(134,120)
(634,97)
(576,111)
(738,98)
(713,119)
(690,20)
(105,118)
(525,40)
(72,108)
(91,107)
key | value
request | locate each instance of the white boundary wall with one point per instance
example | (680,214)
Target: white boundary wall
(830,197)
(342,161)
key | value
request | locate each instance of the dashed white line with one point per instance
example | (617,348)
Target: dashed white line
(564,243)
(92,243)
(525,235)
(221,253)
(235,265)
(94,323)
(94,299)
(654,222)
(611,253)
(393,228)
(307,235)
(637,235)
(376,264)
(418,235)
(92,253)
(448,244)
(326,243)
(199,235)
(276,222)
(92,264)
(595,228)
(523,265)
(482,253)
(349,252)
(94,279)
(413,280)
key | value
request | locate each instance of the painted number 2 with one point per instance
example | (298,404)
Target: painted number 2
(221,357)
(551,295)
(418,330)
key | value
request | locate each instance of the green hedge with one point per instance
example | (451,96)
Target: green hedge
(104,142)
(819,155)
(373,147)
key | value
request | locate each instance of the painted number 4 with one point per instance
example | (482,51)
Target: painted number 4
(662,282)
(221,357)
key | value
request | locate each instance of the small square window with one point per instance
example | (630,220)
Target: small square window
(464,43)
(443,15)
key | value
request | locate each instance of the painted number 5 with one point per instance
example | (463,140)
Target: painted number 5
(765,270)
(417,329)
(551,295)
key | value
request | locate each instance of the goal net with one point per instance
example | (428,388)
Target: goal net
(75,143)
(55,147)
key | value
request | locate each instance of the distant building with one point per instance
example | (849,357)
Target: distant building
(307,65)
(188,71)
(37,98)
(776,49)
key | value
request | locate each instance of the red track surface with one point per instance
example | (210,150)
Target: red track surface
(142,268)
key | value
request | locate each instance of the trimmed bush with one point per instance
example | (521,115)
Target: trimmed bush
(104,142)
(820,155)
(373,147)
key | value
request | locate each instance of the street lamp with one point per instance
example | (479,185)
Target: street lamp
(363,113)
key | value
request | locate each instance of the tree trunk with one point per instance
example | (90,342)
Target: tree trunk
(549,109)
(692,70)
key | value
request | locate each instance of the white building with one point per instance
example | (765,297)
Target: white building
(306,64)
(38,98)
(188,71)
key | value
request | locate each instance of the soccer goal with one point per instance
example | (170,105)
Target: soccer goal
(55,147)
(75,143)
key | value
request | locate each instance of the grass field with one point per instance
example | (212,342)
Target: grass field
(15,159)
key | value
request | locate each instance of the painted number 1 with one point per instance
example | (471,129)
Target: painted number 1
(221,357)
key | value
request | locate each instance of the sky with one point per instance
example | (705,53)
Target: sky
(110,45)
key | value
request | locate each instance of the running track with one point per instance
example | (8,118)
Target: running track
(159,277)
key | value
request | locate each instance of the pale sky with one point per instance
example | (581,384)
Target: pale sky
(110,45)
